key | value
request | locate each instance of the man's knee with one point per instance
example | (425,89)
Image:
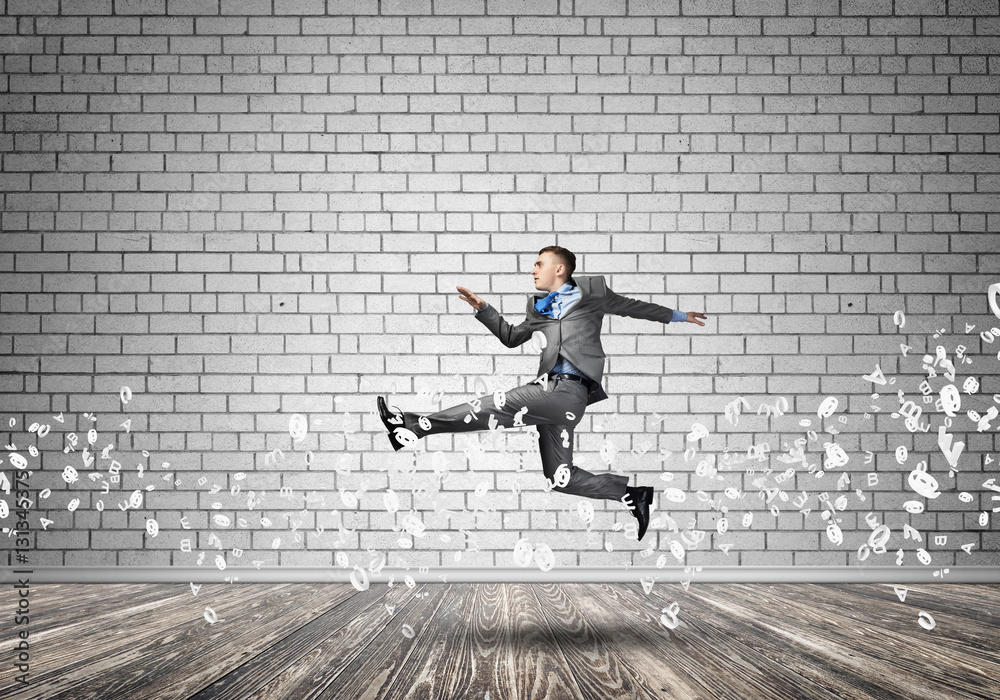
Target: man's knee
(559,474)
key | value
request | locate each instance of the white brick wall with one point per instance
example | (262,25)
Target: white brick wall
(247,210)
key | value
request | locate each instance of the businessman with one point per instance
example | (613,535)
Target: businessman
(569,313)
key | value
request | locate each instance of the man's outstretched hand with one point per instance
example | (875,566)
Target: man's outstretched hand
(693,317)
(475,301)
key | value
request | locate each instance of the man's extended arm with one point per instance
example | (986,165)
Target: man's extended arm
(623,306)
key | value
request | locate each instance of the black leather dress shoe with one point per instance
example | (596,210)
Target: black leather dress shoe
(642,498)
(391,421)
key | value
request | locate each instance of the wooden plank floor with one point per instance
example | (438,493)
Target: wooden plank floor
(504,641)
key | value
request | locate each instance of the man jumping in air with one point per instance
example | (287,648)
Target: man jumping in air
(569,315)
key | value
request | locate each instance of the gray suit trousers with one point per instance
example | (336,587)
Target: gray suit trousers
(553,410)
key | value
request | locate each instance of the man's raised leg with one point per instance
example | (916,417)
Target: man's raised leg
(464,417)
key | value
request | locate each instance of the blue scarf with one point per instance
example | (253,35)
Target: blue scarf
(544,305)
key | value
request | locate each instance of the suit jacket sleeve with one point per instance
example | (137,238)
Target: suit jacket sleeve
(624,306)
(509,335)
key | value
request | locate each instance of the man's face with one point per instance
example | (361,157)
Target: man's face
(546,272)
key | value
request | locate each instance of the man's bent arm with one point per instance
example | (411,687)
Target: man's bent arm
(509,335)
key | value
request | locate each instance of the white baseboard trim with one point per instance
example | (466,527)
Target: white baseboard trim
(582,574)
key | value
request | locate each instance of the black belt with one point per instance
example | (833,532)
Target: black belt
(575,377)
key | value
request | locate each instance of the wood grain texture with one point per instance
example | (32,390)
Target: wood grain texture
(722,668)
(544,640)
(883,642)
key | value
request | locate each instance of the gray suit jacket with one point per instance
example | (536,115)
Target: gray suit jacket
(577,335)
